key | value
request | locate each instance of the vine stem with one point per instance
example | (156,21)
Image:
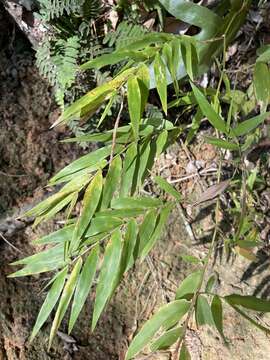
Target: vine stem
(206,263)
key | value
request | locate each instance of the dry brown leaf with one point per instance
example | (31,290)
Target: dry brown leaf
(213,191)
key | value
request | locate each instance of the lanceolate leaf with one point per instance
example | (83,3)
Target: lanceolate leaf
(65,299)
(174,310)
(208,111)
(90,203)
(134,105)
(59,236)
(189,285)
(111,182)
(217,313)
(99,225)
(84,285)
(220,143)
(248,125)
(108,275)
(146,229)
(164,214)
(129,166)
(167,187)
(167,339)
(50,301)
(249,302)
(131,203)
(184,353)
(203,311)
(262,84)
(144,81)
(84,162)
(161,81)
(127,260)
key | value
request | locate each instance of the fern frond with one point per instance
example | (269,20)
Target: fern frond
(124,33)
(91,9)
(51,9)
(58,63)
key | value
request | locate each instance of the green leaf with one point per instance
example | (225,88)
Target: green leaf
(220,143)
(65,299)
(59,236)
(87,161)
(184,353)
(247,126)
(252,321)
(111,182)
(129,167)
(189,285)
(161,142)
(146,229)
(127,260)
(167,187)
(50,301)
(262,84)
(203,311)
(134,105)
(249,302)
(217,314)
(144,82)
(107,109)
(167,339)
(131,203)
(121,213)
(52,211)
(211,283)
(174,310)
(84,285)
(98,225)
(264,54)
(161,80)
(108,275)
(190,57)
(191,259)
(44,261)
(90,203)
(208,111)
(163,216)
(93,99)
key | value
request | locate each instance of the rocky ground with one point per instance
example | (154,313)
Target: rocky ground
(29,154)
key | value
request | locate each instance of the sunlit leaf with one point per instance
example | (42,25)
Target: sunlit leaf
(50,301)
(217,314)
(108,275)
(83,286)
(161,80)
(161,221)
(184,353)
(129,167)
(203,311)
(189,285)
(146,229)
(132,202)
(111,182)
(167,339)
(174,310)
(90,203)
(262,84)
(164,185)
(65,299)
(134,105)
(127,260)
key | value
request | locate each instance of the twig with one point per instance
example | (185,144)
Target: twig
(203,172)
(115,129)
(9,243)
